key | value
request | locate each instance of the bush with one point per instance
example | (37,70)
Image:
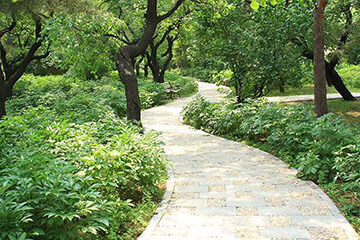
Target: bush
(187,85)
(70,167)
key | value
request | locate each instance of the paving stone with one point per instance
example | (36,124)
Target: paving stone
(314,211)
(217,188)
(275,202)
(188,202)
(246,211)
(317,221)
(245,203)
(187,189)
(280,221)
(170,231)
(216,202)
(248,232)
(213,231)
(321,233)
(216,211)
(278,211)
(284,233)
(179,220)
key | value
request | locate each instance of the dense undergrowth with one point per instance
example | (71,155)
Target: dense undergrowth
(325,150)
(71,167)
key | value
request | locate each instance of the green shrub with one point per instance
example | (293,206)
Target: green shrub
(71,167)
(152,94)
(187,85)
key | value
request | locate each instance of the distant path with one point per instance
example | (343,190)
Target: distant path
(304,98)
(221,189)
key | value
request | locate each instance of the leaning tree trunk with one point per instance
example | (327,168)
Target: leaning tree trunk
(127,75)
(333,78)
(319,59)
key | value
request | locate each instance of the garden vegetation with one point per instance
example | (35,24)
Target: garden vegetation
(71,167)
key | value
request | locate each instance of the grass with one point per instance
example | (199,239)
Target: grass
(350,110)
(307,89)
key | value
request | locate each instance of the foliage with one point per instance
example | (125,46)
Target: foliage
(324,150)
(70,167)
(351,75)
(86,57)
(187,85)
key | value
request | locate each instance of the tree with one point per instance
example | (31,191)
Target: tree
(339,32)
(248,47)
(127,54)
(24,38)
(319,59)
(158,67)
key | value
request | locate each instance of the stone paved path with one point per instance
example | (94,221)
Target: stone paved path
(302,98)
(220,189)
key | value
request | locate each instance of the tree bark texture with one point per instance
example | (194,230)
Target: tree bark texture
(319,60)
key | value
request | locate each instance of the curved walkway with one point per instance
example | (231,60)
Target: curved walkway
(221,189)
(305,98)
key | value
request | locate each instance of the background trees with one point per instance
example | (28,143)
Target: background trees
(24,37)
(268,47)
(127,54)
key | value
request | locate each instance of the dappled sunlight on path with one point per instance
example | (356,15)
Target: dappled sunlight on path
(221,189)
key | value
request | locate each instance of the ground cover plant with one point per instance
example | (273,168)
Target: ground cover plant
(71,167)
(325,150)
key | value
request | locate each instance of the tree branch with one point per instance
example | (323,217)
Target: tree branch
(169,13)
(10,28)
(344,37)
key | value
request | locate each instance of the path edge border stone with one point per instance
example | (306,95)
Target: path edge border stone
(160,211)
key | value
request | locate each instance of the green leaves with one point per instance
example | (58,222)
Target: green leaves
(73,168)
(255,5)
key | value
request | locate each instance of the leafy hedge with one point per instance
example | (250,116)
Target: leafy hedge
(71,167)
(325,150)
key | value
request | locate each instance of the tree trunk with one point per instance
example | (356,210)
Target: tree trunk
(127,75)
(125,55)
(2,106)
(146,70)
(319,60)
(282,85)
(162,76)
(155,71)
(6,91)
(334,78)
